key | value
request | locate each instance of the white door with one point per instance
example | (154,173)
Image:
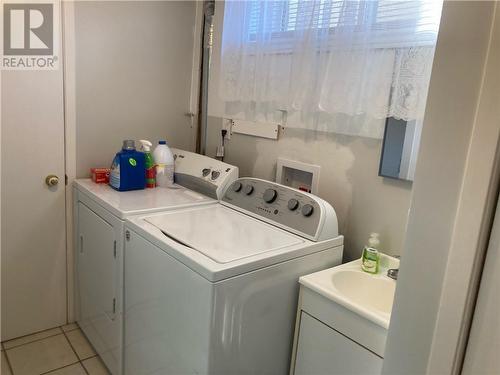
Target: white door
(33,258)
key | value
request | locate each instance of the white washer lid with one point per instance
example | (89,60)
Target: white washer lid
(124,203)
(221,233)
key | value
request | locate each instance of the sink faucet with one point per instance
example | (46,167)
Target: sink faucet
(393,273)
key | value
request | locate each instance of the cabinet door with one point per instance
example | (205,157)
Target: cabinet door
(99,283)
(323,351)
(96,265)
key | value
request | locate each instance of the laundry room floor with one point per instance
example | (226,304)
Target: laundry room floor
(57,351)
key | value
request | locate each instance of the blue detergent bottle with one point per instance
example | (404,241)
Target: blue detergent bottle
(128,171)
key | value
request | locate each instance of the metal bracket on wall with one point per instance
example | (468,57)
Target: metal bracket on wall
(268,130)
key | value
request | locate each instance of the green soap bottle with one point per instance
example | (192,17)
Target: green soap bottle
(371,258)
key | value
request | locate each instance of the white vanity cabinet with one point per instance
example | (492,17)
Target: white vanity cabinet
(323,350)
(332,340)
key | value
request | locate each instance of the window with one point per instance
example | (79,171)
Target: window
(327,63)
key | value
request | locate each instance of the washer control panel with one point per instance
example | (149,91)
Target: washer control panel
(292,209)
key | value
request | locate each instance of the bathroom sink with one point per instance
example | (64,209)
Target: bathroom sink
(375,292)
(370,296)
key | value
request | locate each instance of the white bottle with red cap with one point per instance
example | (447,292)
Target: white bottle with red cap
(164,165)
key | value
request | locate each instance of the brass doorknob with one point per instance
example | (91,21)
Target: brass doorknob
(51,180)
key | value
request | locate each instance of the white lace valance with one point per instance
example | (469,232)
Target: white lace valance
(319,59)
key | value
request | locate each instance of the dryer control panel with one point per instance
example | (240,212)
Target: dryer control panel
(294,210)
(203,174)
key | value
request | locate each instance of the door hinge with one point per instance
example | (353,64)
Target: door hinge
(127,235)
(65,179)
(114,305)
(114,249)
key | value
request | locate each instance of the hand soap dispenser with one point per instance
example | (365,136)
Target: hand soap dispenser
(371,258)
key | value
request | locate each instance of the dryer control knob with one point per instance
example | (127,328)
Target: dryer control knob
(205,172)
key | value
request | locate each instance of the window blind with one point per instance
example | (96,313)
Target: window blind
(388,21)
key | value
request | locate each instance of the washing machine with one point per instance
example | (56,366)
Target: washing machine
(213,289)
(100,212)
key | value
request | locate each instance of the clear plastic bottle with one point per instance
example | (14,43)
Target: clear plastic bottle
(164,165)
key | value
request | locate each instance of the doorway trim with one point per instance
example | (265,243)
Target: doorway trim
(474,220)
(453,198)
(68,49)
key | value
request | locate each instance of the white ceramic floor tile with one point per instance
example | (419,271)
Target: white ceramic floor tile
(94,366)
(69,327)
(76,369)
(79,342)
(4,365)
(41,356)
(30,338)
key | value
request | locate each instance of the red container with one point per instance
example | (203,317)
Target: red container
(100,175)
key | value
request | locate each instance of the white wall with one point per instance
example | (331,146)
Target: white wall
(349,180)
(133,75)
